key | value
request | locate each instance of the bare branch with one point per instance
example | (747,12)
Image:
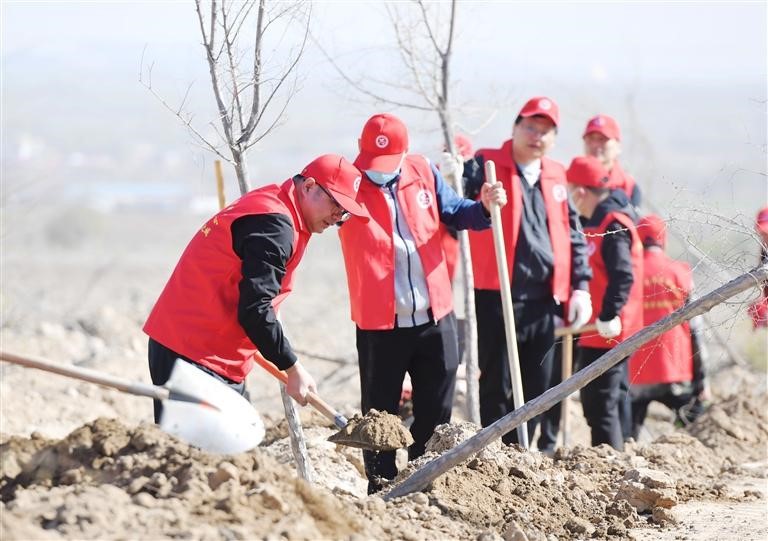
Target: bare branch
(232,66)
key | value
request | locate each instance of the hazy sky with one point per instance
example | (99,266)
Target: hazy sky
(665,70)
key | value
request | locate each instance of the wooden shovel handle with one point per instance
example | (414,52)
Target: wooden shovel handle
(86,374)
(315,401)
(565,331)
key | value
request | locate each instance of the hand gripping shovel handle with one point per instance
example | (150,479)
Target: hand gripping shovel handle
(315,401)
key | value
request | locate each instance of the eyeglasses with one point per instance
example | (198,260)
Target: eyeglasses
(344,215)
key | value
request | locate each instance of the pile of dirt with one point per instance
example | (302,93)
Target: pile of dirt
(106,480)
(737,428)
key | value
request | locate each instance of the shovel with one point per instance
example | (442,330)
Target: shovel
(362,431)
(196,407)
(507,307)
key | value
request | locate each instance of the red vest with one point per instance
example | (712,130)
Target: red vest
(632,313)
(622,179)
(668,358)
(368,248)
(196,314)
(553,187)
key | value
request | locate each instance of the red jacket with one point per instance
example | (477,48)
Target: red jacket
(631,314)
(553,186)
(668,358)
(622,179)
(196,314)
(368,248)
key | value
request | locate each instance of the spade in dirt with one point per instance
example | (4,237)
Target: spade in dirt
(376,430)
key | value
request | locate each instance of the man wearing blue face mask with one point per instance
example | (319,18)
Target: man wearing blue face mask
(399,288)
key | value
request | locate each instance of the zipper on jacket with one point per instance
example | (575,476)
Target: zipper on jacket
(407,254)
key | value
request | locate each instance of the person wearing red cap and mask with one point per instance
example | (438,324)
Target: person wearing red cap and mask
(220,304)
(602,139)
(616,259)
(670,368)
(758,310)
(547,261)
(400,292)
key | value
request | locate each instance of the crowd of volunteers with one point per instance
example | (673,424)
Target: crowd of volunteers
(579,252)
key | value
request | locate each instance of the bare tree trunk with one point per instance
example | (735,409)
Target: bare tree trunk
(421,478)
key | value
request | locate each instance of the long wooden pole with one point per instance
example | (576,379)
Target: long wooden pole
(506,304)
(422,477)
(567,369)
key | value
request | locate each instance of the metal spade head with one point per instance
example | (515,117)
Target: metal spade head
(225,422)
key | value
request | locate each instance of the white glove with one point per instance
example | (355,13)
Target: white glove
(579,308)
(610,328)
(452,167)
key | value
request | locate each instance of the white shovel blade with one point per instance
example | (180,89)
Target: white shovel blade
(234,427)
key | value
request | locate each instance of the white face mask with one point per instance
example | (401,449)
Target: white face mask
(380,178)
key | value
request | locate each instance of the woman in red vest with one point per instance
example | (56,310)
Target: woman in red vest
(399,289)
(616,259)
(220,304)
(668,369)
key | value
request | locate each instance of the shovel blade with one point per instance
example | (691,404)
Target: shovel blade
(222,422)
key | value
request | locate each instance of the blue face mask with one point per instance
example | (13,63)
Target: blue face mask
(381,178)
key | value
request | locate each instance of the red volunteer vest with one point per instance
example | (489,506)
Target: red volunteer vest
(622,179)
(368,248)
(631,314)
(668,358)
(553,187)
(196,314)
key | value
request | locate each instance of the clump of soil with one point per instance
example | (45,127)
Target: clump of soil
(377,430)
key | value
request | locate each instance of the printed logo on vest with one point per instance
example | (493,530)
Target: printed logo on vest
(424,199)
(559,193)
(382,141)
(545,105)
(591,247)
(356,184)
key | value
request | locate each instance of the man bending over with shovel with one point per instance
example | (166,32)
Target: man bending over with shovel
(219,306)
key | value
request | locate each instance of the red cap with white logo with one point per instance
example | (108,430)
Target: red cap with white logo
(383,144)
(605,125)
(588,171)
(340,178)
(542,106)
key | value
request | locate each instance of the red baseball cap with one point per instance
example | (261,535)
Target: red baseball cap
(543,106)
(652,230)
(761,223)
(589,171)
(383,143)
(603,124)
(463,145)
(340,178)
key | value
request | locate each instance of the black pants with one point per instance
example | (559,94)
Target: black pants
(535,325)
(161,361)
(600,400)
(549,425)
(429,353)
(686,406)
